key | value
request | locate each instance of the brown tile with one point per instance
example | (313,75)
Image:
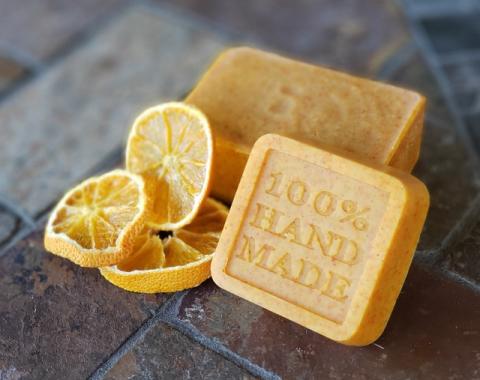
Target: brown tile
(349,35)
(454,31)
(10,72)
(55,130)
(416,75)
(41,28)
(464,258)
(444,163)
(473,126)
(434,333)
(464,78)
(58,320)
(165,353)
(449,174)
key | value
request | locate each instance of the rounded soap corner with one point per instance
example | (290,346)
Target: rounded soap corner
(266,141)
(416,189)
(421,102)
(217,271)
(233,52)
(360,338)
(407,184)
(423,191)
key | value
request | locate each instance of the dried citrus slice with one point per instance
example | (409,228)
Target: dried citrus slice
(148,253)
(204,231)
(187,262)
(97,222)
(171,146)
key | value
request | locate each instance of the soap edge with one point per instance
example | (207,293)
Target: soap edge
(350,335)
(416,205)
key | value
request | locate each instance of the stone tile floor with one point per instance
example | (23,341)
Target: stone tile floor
(73,75)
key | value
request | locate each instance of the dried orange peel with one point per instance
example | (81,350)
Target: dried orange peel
(112,221)
(188,254)
(97,222)
(171,146)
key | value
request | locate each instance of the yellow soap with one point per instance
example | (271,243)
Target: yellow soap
(247,93)
(321,238)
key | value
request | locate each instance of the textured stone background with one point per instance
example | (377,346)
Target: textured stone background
(73,75)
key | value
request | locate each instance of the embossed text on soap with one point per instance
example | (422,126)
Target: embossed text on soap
(307,234)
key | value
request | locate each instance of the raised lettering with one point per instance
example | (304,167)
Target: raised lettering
(317,236)
(283,266)
(349,253)
(292,231)
(258,257)
(297,193)
(333,245)
(274,189)
(266,218)
(336,287)
(324,203)
(308,275)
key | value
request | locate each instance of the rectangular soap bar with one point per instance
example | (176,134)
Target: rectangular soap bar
(248,93)
(321,239)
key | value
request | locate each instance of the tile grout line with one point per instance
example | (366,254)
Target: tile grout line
(396,62)
(444,273)
(17,227)
(459,56)
(130,342)
(466,223)
(474,286)
(19,236)
(169,316)
(21,57)
(431,58)
(24,223)
(15,86)
(72,45)
(166,314)
(17,210)
(434,256)
(29,65)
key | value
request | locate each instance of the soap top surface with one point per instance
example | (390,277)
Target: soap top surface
(248,93)
(309,232)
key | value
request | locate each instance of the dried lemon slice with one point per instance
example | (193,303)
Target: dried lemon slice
(188,254)
(171,146)
(97,222)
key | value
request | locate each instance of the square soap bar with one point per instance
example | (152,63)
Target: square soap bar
(321,239)
(247,93)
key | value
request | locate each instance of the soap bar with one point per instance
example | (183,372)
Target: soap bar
(320,238)
(248,93)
